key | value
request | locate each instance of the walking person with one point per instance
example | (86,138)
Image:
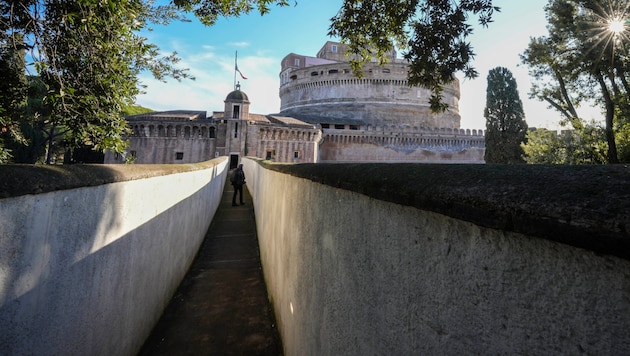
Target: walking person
(238,179)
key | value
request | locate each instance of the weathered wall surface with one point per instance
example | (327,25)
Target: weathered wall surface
(441,260)
(382,96)
(90,255)
(165,149)
(372,146)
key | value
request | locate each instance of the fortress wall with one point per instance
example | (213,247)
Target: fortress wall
(90,255)
(382,94)
(396,152)
(412,259)
(161,149)
(426,145)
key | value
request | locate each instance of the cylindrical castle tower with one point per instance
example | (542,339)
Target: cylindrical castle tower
(320,87)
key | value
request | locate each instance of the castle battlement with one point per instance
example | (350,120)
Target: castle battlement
(328,88)
(434,139)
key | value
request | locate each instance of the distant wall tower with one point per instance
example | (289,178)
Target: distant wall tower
(236,115)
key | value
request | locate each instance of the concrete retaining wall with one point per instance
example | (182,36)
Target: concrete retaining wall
(88,269)
(362,260)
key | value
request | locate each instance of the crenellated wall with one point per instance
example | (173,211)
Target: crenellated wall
(414,259)
(396,144)
(90,255)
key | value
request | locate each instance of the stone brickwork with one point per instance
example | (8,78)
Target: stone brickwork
(169,137)
(382,96)
(388,119)
(327,114)
(418,145)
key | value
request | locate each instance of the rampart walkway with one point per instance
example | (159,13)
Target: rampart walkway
(221,306)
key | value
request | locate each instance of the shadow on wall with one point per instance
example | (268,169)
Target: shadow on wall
(86,266)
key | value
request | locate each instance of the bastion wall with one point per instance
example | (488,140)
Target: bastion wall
(358,258)
(414,259)
(90,255)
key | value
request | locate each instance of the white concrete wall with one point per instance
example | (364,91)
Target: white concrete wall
(88,271)
(351,275)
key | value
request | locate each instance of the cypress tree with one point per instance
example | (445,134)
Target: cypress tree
(506,128)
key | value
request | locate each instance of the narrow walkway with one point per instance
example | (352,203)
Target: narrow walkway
(221,306)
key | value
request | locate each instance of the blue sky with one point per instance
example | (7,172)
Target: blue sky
(262,41)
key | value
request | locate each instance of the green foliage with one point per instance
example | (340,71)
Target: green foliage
(432,34)
(87,55)
(543,147)
(623,142)
(13,94)
(506,128)
(586,146)
(581,59)
(208,11)
(135,110)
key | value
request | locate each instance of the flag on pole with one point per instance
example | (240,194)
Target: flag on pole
(239,72)
(236,85)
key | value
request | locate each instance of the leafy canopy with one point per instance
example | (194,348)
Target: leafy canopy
(583,60)
(431,33)
(208,11)
(88,55)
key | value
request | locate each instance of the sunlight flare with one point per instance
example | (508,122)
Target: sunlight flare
(616,25)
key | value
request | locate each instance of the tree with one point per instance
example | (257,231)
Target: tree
(584,57)
(506,128)
(568,147)
(432,34)
(13,95)
(208,11)
(32,147)
(88,55)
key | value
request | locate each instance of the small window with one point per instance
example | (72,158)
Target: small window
(296,154)
(333,71)
(294,77)
(340,127)
(297,62)
(386,70)
(314,74)
(333,48)
(354,127)
(270,154)
(346,71)
(325,126)
(179,156)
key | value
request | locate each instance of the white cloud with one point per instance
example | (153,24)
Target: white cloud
(239,44)
(214,73)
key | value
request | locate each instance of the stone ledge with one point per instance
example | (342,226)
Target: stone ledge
(17,180)
(583,206)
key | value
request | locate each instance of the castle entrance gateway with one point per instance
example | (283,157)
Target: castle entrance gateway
(233,160)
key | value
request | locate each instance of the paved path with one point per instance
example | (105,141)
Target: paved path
(221,307)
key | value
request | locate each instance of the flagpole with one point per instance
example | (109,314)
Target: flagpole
(235,56)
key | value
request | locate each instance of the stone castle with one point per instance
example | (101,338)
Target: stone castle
(326,115)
